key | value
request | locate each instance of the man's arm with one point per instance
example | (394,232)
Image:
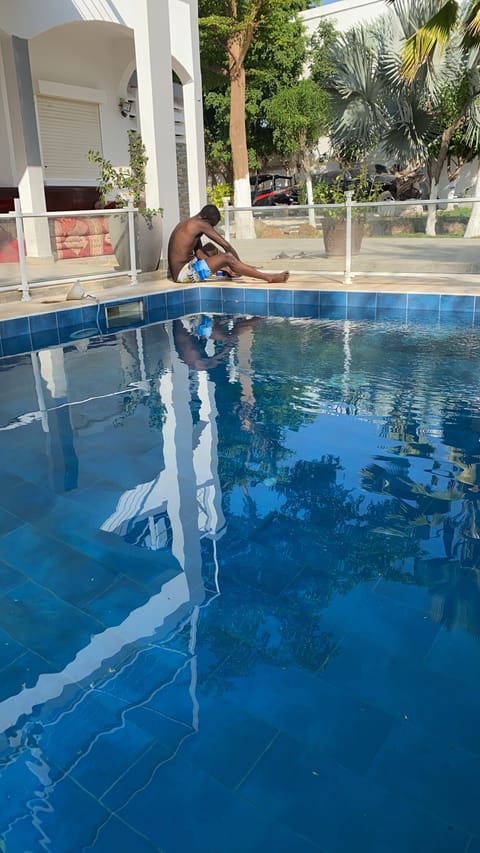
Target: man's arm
(217,238)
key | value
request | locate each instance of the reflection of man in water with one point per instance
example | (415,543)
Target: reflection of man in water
(191,343)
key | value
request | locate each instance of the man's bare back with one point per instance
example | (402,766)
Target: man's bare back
(185,239)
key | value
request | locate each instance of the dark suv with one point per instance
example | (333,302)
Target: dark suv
(268,190)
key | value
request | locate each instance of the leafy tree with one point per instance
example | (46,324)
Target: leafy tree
(444,24)
(412,121)
(256,39)
(299,115)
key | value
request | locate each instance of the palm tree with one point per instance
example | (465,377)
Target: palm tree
(445,19)
(376,105)
(448,20)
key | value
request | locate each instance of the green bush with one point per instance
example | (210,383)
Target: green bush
(217,193)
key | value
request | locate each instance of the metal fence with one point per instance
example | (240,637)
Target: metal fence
(381,238)
(394,242)
(22,272)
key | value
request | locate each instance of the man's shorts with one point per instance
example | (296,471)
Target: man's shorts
(196,270)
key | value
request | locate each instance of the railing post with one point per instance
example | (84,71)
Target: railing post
(131,239)
(21,251)
(226,216)
(347,277)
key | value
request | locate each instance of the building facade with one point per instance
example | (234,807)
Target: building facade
(76,75)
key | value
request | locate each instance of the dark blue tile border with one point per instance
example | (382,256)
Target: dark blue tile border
(22,334)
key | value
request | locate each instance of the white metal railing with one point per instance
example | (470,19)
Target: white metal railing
(348,206)
(25,286)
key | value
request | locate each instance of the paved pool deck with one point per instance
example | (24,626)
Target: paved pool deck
(418,265)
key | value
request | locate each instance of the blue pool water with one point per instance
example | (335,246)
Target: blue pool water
(240,601)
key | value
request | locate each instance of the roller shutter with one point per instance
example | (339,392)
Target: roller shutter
(68,129)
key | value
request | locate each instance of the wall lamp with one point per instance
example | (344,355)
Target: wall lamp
(125,107)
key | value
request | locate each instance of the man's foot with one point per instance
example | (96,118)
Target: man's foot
(279,276)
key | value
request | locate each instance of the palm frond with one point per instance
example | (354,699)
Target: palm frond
(471,25)
(429,39)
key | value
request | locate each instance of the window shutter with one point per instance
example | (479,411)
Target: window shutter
(68,129)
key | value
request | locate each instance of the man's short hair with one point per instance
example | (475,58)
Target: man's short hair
(211,214)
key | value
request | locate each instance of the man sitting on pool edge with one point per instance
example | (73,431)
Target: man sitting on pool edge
(185,240)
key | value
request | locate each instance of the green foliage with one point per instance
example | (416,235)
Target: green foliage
(333,192)
(274,59)
(217,193)
(298,115)
(425,119)
(320,56)
(128,184)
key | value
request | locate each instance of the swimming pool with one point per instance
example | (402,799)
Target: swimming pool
(240,606)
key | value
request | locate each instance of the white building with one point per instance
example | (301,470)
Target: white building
(76,75)
(343,13)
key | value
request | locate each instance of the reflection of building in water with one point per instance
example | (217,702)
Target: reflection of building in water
(173,511)
(148,515)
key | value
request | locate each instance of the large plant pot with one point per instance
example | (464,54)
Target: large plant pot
(335,236)
(148,241)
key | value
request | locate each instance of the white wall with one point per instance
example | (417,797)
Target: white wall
(344,14)
(91,55)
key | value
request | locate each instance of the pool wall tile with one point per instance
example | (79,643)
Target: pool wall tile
(69,317)
(423,317)
(17,344)
(423,302)
(234,300)
(46,338)
(392,301)
(156,300)
(391,315)
(14,328)
(305,309)
(333,299)
(456,304)
(279,309)
(22,334)
(175,299)
(358,313)
(44,330)
(361,300)
(156,315)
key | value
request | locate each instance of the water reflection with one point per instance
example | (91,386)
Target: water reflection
(233,479)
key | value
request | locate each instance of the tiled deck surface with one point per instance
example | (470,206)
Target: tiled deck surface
(47,299)
(419,265)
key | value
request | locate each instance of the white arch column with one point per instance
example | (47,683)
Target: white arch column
(155,102)
(27,159)
(193,112)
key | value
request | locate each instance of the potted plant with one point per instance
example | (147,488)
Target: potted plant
(117,187)
(334,219)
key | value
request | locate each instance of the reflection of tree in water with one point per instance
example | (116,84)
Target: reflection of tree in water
(343,537)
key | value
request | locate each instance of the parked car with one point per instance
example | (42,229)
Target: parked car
(378,177)
(269,190)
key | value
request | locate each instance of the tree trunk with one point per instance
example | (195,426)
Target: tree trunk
(437,172)
(244,227)
(430,228)
(473,224)
(309,187)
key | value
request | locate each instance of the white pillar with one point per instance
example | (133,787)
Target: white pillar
(155,102)
(24,131)
(197,177)
(193,112)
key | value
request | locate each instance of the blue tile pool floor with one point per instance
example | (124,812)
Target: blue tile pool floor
(240,606)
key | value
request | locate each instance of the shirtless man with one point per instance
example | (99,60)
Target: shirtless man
(185,241)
